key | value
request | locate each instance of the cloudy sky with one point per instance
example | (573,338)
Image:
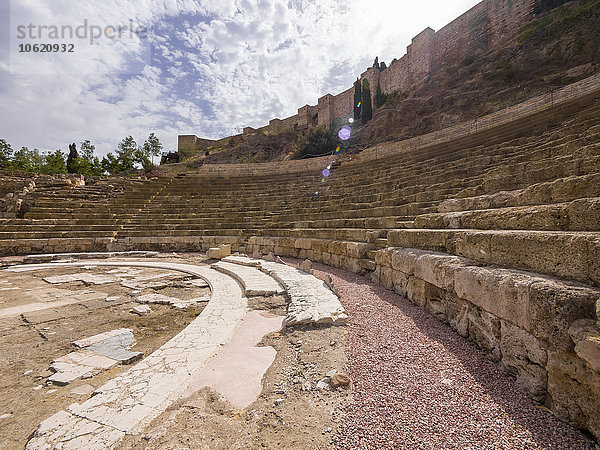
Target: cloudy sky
(204,67)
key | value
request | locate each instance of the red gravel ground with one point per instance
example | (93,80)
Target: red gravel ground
(418,384)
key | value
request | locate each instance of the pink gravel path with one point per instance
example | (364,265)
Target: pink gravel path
(418,384)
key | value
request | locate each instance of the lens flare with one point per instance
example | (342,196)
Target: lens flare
(345,132)
(326,173)
(351,120)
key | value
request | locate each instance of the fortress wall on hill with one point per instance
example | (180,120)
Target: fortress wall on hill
(485,26)
(461,37)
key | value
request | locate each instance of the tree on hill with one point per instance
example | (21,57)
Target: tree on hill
(72,159)
(126,154)
(367,107)
(87,163)
(152,147)
(87,150)
(54,163)
(110,163)
(27,160)
(357,99)
(379,97)
(5,154)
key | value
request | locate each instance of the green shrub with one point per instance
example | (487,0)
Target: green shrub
(316,142)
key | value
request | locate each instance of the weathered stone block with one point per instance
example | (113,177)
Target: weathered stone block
(337,247)
(320,245)
(525,357)
(573,388)
(335,260)
(554,306)
(357,250)
(415,291)
(457,311)
(386,277)
(222,251)
(438,269)
(484,329)
(404,259)
(383,257)
(586,337)
(304,244)
(500,292)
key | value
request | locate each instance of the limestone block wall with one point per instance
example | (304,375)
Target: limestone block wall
(505,17)
(464,35)
(343,104)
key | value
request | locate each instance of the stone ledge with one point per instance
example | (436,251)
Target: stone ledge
(311,300)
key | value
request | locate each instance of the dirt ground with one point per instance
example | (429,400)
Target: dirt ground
(291,411)
(31,340)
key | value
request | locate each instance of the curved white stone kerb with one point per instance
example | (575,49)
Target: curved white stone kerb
(253,280)
(311,300)
(129,402)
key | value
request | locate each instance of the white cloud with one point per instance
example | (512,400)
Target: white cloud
(217,65)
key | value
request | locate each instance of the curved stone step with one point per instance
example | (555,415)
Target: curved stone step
(311,300)
(253,280)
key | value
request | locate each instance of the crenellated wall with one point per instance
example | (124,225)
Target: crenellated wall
(487,25)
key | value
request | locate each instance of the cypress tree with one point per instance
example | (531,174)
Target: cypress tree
(72,159)
(379,97)
(367,107)
(357,99)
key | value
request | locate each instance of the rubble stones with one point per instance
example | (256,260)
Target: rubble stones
(305,265)
(141,310)
(97,353)
(340,380)
(84,277)
(221,252)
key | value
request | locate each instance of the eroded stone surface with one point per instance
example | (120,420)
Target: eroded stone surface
(311,301)
(79,364)
(85,277)
(166,300)
(100,352)
(237,371)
